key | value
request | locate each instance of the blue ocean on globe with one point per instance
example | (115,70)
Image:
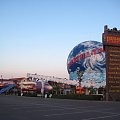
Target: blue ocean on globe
(86,61)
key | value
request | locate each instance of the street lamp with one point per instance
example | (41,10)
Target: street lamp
(42,88)
(21,87)
(1,79)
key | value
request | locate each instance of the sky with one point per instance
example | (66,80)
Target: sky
(36,36)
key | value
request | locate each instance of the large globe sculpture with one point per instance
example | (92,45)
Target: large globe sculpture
(86,64)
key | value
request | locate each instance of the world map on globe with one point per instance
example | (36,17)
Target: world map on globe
(86,61)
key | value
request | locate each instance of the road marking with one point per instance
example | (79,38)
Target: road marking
(53,106)
(60,114)
(48,115)
(108,116)
(64,107)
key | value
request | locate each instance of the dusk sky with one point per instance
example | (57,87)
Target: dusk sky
(36,36)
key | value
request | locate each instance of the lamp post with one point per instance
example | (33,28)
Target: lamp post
(42,88)
(1,79)
(21,87)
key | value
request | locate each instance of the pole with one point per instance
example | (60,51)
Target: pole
(42,88)
(21,89)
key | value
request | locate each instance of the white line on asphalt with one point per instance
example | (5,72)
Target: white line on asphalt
(108,116)
(60,114)
(53,106)
(48,115)
(64,107)
(32,110)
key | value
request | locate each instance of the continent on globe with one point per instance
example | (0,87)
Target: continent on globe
(86,63)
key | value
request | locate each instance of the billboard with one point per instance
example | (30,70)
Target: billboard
(86,64)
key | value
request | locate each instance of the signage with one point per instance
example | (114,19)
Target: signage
(111,43)
(113,69)
(112,40)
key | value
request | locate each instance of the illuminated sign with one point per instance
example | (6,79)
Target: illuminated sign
(110,39)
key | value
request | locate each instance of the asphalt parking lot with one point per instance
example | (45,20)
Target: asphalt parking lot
(36,108)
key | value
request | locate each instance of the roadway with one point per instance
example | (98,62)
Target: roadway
(36,108)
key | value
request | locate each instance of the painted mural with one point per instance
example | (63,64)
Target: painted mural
(86,63)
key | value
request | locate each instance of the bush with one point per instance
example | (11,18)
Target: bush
(31,94)
(79,97)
